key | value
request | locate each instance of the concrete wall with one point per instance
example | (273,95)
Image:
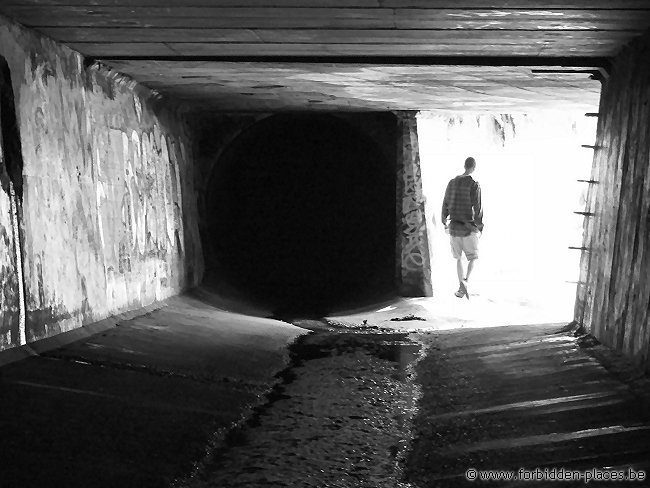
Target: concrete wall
(414,264)
(104,201)
(614,297)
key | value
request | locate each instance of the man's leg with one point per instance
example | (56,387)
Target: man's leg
(460,270)
(462,281)
(470,268)
(470,246)
(462,289)
(457,253)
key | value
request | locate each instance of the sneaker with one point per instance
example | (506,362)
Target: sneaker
(463,289)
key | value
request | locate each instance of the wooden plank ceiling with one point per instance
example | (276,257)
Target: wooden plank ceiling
(350,54)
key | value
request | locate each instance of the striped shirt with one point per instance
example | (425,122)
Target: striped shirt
(462,204)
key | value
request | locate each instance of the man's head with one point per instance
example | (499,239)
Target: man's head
(470,165)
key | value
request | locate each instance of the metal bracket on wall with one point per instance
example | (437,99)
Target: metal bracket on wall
(587,146)
(592,114)
(591,182)
(582,248)
(586,214)
(599,72)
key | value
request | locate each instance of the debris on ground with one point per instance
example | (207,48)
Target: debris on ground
(407,318)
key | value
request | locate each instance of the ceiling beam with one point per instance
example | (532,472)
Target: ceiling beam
(569,62)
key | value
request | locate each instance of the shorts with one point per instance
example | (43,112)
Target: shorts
(467,244)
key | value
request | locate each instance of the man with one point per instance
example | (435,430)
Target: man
(462,205)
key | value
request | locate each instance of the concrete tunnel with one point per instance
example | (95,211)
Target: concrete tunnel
(300,214)
(209,211)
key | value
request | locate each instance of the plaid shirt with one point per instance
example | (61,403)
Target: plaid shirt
(462,204)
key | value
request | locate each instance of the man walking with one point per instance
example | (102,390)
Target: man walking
(462,205)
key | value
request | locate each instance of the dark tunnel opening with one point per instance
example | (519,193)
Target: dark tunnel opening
(300,216)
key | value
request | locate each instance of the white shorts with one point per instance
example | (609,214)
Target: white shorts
(467,244)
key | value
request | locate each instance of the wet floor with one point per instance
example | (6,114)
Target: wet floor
(340,418)
(523,397)
(376,408)
(379,408)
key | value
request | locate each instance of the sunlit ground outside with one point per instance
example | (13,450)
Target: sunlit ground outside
(528,167)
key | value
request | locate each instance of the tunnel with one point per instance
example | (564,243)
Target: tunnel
(300,215)
(228,256)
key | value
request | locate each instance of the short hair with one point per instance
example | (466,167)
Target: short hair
(470,163)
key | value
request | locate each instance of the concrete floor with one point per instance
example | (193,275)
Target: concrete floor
(523,396)
(406,393)
(135,405)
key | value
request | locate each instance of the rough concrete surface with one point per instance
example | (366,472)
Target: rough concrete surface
(412,239)
(106,175)
(341,418)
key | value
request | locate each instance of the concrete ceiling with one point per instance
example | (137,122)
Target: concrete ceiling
(497,55)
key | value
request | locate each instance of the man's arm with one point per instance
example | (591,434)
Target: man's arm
(445,206)
(477,206)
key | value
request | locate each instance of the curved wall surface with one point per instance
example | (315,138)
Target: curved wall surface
(300,214)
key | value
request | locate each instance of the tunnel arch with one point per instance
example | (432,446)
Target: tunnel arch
(300,214)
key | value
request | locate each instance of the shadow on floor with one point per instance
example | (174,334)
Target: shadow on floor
(135,406)
(293,303)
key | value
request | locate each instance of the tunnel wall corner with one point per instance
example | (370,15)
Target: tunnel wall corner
(103,198)
(413,259)
(613,301)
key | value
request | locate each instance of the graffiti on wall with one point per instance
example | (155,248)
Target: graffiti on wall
(12,305)
(415,265)
(139,213)
(104,211)
(413,249)
(99,191)
(151,196)
(10,330)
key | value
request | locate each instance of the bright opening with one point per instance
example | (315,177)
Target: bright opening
(528,167)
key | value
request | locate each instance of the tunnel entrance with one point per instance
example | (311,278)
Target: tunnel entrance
(532,170)
(300,215)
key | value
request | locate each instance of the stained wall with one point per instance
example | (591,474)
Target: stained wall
(613,301)
(11,310)
(105,203)
(414,263)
